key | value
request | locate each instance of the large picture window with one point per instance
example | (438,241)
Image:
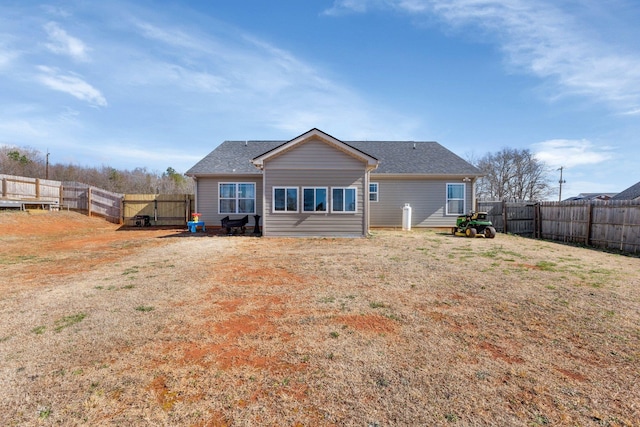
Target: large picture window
(285,199)
(343,200)
(314,199)
(455,199)
(237,197)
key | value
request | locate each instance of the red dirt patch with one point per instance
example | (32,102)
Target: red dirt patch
(572,374)
(368,323)
(498,352)
(244,275)
(165,398)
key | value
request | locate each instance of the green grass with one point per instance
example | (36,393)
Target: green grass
(39,330)
(131,270)
(144,308)
(67,321)
(374,304)
(43,413)
(546,265)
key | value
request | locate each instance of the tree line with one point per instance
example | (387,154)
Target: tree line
(33,164)
(509,174)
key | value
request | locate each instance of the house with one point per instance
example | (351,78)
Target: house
(591,196)
(631,193)
(317,185)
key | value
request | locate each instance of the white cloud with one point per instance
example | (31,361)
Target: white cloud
(71,84)
(62,43)
(258,82)
(571,152)
(6,57)
(540,38)
(20,129)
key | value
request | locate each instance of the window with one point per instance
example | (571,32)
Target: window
(285,199)
(455,199)
(237,197)
(343,200)
(373,191)
(314,199)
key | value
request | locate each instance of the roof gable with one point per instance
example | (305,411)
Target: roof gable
(315,134)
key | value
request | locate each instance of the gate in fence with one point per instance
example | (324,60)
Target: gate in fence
(157,209)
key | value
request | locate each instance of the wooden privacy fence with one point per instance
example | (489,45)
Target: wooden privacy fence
(93,201)
(162,209)
(23,188)
(612,224)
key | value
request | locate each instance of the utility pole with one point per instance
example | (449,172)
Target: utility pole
(562,181)
(46,170)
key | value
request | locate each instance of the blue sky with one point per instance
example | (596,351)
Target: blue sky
(156,83)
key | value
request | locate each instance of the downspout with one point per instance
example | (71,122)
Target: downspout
(264,195)
(367,202)
(195,198)
(474,201)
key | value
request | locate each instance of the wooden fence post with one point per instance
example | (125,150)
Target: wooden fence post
(587,240)
(37,188)
(4,187)
(89,201)
(504,216)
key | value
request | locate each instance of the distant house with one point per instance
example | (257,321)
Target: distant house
(631,193)
(592,196)
(317,185)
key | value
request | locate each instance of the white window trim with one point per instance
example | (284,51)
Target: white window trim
(464,198)
(237,198)
(377,192)
(326,206)
(355,199)
(273,200)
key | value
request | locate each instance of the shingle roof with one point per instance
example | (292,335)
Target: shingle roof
(396,157)
(630,193)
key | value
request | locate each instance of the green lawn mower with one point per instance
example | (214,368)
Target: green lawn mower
(474,224)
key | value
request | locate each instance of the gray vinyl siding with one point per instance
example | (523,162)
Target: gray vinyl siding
(315,164)
(315,154)
(314,223)
(207,198)
(427,199)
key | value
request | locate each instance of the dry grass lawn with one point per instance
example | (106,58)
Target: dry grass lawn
(101,326)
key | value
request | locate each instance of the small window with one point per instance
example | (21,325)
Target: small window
(455,199)
(285,199)
(343,200)
(373,191)
(237,197)
(314,199)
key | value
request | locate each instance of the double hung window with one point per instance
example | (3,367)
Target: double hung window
(373,191)
(237,197)
(455,199)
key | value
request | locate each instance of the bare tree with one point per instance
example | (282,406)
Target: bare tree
(513,174)
(31,163)
(21,162)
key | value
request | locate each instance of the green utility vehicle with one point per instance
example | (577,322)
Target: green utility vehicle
(474,224)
